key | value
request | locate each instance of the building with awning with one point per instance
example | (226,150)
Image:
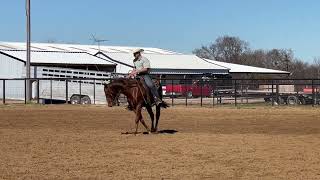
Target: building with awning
(119,59)
(164,62)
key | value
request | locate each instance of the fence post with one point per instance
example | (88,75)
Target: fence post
(50,91)
(4,92)
(67,91)
(38,91)
(272,93)
(201,93)
(313,94)
(94,91)
(25,91)
(187,93)
(235,92)
(213,89)
(80,91)
(241,92)
(277,93)
(247,95)
(172,92)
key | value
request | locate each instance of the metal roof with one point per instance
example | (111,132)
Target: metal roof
(179,64)
(81,48)
(49,57)
(163,61)
(238,68)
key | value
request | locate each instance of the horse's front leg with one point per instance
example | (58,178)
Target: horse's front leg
(140,118)
(137,111)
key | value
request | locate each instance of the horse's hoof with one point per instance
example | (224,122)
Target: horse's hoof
(146,132)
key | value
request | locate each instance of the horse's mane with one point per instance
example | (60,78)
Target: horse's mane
(123,82)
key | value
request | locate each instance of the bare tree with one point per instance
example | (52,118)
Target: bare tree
(226,49)
(279,59)
(235,50)
(316,67)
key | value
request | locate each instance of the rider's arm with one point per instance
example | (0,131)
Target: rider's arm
(144,70)
(146,66)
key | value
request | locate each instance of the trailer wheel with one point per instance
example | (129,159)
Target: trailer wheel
(85,100)
(292,100)
(75,99)
(267,99)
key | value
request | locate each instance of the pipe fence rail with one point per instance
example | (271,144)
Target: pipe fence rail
(177,92)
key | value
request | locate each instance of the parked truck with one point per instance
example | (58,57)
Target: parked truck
(190,90)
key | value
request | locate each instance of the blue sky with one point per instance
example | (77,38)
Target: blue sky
(179,25)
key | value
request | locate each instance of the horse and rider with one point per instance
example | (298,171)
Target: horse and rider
(140,91)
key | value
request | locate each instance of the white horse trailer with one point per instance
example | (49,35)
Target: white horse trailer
(82,86)
(49,86)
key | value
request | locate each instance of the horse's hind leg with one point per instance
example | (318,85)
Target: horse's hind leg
(158,113)
(151,114)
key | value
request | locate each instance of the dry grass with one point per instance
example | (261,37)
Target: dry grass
(72,142)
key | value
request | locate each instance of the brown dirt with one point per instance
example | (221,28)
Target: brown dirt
(73,142)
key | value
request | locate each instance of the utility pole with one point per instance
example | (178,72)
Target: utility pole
(28,82)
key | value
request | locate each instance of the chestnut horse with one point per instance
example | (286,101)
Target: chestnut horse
(138,96)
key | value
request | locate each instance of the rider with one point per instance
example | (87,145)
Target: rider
(142,69)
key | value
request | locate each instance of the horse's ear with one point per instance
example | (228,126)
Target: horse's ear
(106,82)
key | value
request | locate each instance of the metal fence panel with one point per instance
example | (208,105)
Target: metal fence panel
(176,92)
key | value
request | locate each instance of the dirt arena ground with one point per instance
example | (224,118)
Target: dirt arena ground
(73,142)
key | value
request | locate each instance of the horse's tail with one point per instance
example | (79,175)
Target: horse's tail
(164,105)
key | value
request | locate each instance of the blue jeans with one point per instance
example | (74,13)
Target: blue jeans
(151,86)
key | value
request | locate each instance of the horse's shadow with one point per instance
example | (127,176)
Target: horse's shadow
(166,131)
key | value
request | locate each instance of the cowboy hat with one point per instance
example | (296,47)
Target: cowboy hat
(137,51)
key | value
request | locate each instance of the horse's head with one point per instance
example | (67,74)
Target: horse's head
(111,94)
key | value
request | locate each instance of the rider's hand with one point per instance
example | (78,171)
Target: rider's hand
(133,73)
